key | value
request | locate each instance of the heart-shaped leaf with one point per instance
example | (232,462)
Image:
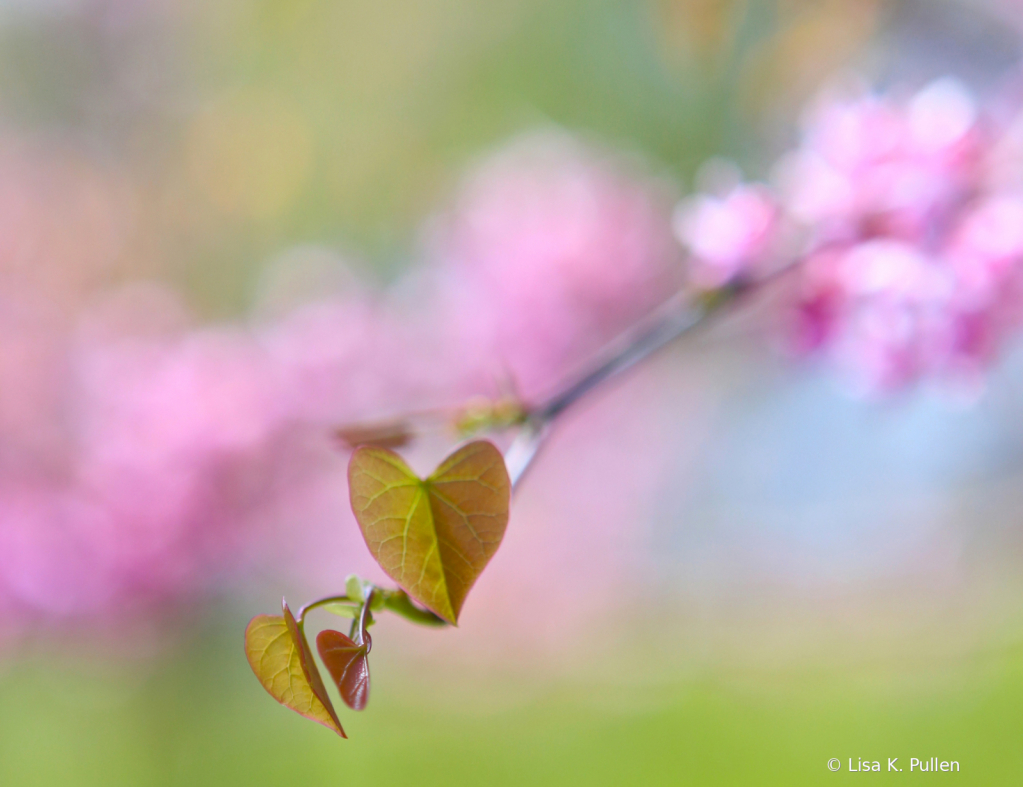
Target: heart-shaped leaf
(281,658)
(432,537)
(347,664)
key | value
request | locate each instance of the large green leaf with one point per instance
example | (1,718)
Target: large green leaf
(281,658)
(433,537)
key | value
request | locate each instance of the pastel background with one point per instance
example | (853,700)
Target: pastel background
(228,227)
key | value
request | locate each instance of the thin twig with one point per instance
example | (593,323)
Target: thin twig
(677,318)
(523,448)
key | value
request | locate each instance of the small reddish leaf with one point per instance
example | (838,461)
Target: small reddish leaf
(348,665)
(432,537)
(283,662)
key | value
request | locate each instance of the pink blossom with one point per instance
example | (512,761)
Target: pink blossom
(551,249)
(910,262)
(893,297)
(872,165)
(325,357)
(986,248)
(727,236)
(889,314)
(164,452)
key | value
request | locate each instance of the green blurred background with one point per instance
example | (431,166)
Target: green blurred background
(198,718)
(249,127)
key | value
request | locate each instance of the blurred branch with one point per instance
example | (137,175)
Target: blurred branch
(521,452)
(679,317)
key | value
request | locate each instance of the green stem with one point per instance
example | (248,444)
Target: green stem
(397,601)
(319,603)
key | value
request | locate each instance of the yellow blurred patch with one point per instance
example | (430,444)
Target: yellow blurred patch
(706,28)
(250,154)
(813,40)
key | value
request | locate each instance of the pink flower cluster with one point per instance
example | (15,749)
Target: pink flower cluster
(146,460)
(730,234)
(906,233)
(156,458)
